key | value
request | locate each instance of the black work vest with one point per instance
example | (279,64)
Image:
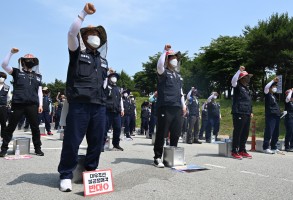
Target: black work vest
(242,103)
(145,113)
(85,77)
(3,95)
(25,87)
(271,105)
(126,106)
(113,102)
(60,106)
(46,103)
(204,113)
(213,109)
(193,107)
(169,89)
(154,109)
(289,109)
(132,108)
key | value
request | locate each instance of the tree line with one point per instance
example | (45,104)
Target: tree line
(265,50)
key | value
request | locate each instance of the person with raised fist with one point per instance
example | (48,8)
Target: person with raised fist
(27,98)
(272,118)
(242,113)
(289,121)
(170,102)
(4,90)
(214,116)
(85,92)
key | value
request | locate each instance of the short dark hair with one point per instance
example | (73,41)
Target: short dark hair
(2,74)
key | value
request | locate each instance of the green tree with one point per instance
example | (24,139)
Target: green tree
(55,87)
(125,81)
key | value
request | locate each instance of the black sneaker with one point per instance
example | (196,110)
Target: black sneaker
(202,138)
(118,148)
(3,153)
(197,142)
(39,152)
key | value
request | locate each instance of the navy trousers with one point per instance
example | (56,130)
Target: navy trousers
(289,133)
(83,119)
(114,120)
(213,124)
(271,134)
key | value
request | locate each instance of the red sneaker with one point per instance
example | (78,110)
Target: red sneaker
(50,133)
(236,156)
(244,154)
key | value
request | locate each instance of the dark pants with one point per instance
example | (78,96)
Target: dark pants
(132,123)
(271,134)
(126,125)
(45,115)
(241,125)
(203,127)
(31,113)
(152,124)
(289,133)
(184,126)
(3,117)
(144,125)
(57,119)
(193,128)
(213,124)
(114,120)
(83,119)
(169,120)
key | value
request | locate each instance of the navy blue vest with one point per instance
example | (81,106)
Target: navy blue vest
(113,102)
(3,95)
(85,78)
(289,109)
(242,103)
(25,87)
(213,109)
(46,103)
(126,106)
(169,89)
(193,107)
(271,105)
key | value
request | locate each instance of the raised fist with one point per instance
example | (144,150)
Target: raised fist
(276,79)
(89,8)
(14,50)
(216,94)
(242,68)
(167,47)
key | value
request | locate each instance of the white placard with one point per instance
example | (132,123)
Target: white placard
(97,182)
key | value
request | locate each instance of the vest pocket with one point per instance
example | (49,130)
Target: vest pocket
(85,67)
(243,107)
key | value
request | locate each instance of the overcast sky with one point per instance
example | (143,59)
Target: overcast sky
(136,29)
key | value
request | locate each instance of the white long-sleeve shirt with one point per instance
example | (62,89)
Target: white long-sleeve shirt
(235,78)
(267,87)
(289,96)
(73,42)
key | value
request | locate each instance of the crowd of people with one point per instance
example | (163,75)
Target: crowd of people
(95,104)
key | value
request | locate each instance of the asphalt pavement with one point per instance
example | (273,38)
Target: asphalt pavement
(263,177)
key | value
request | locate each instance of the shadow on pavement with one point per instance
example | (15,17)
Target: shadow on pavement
(144,144)
(50,179)
(207,154)
(133,160)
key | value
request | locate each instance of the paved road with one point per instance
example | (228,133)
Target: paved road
(263,177)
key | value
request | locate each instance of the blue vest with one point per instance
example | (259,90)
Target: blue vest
(3,95)
(289,109)
(242,103)
(113,102)
(271,105)
(169,89)
(85,77)
(25,87)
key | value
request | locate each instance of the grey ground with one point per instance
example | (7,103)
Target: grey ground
(263,177)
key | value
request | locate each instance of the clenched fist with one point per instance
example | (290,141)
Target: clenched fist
(242,68)
(167,47)
(89,8)
(14,50)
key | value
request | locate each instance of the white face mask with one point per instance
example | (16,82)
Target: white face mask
(274,90)
(2,80)
(113,79)
(94,41)
(215,97)
(125,95)
(174,62)
(132,99)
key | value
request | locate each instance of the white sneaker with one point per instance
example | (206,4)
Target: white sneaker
(65,185)
(268,151)
(158,163)
(277,151)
